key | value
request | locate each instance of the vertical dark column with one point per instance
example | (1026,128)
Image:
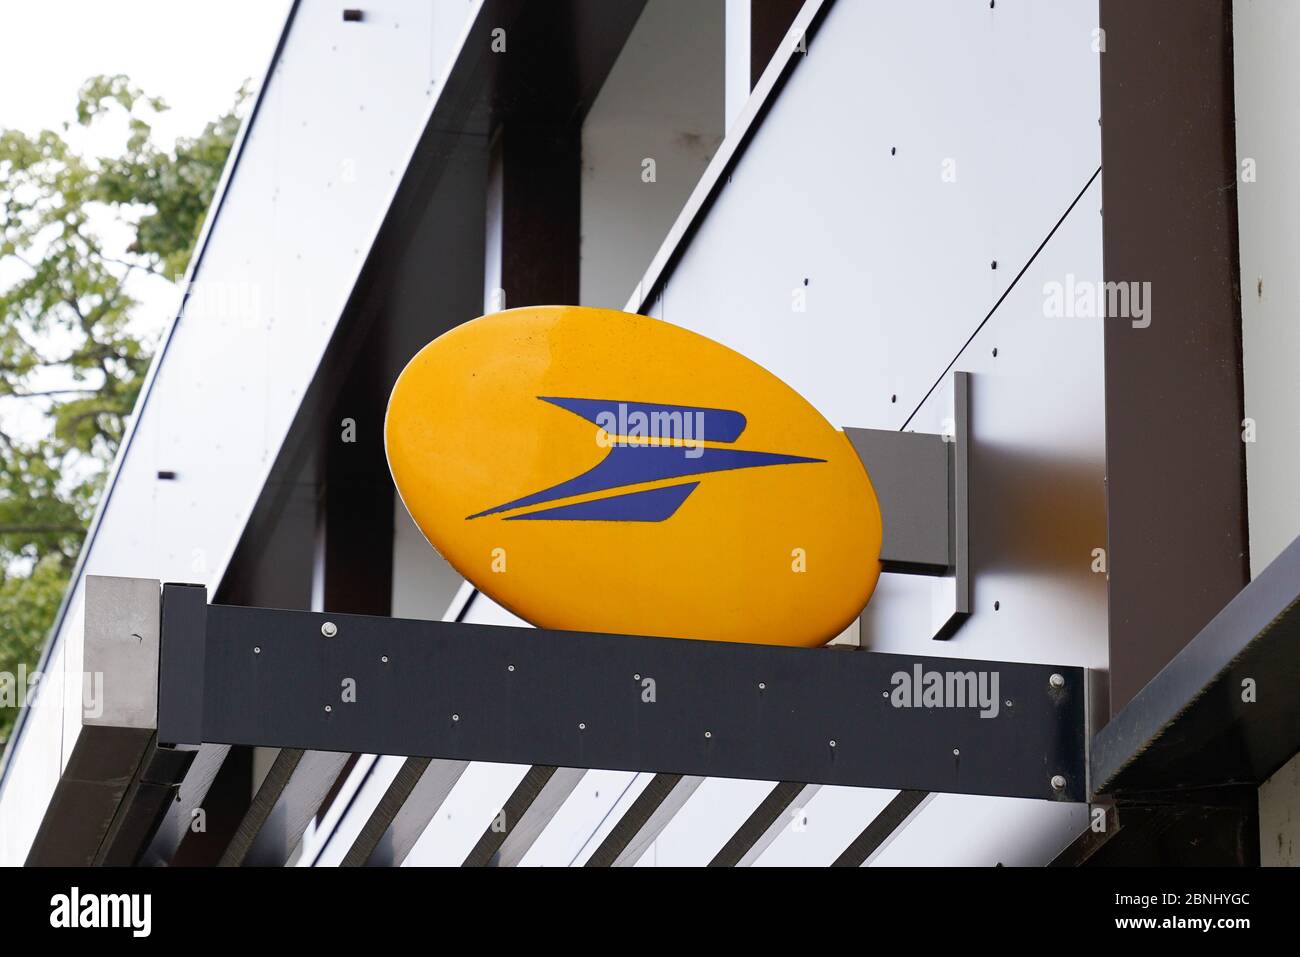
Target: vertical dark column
(354,559)
(354,564)
(1175,460)
(768,22)
(541,182)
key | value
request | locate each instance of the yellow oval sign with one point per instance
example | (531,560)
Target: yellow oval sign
(592,470)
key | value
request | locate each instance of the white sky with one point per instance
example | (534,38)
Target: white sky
(192,53)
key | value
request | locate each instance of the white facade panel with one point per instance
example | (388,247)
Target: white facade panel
(723,804)
(1265,69)
(969,830)
(646,141)
(575,830)
(1268,140)
(469,810)
(819,831)
(424,585)
(39,764)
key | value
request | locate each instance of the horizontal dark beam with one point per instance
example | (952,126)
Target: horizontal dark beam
(566,699)
(1225,711)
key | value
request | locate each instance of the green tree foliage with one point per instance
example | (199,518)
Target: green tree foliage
(67,346)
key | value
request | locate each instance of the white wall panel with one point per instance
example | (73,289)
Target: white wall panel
(705,823)
(824,827)
(571,835)
(469,810)
(898,261)
(341,110)
(965,830)
(1279,817)
(328,840)
(663,101)
(423,583)
(602,826)
(39,766)
(1266,70)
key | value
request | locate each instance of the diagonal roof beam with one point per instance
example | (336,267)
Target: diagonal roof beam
(762,826)
(526,813)
(649,814)
(886,825)
(410,803)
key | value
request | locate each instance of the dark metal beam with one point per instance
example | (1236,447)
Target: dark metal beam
(566,699)
(290,795)
(151,794)
(1225,710)
(1199,833)
(769,21)
(204,812)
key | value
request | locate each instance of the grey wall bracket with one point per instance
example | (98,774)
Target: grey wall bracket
(922,481)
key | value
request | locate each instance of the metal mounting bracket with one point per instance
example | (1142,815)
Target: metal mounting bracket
(922,482)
